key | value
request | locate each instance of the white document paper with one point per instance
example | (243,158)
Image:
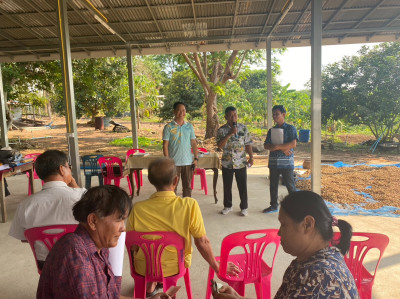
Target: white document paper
(277,136)
(116,257)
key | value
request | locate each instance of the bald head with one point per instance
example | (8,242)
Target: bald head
(162,172)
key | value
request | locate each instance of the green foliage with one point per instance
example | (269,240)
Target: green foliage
(183,87)
(256,131)
(365,89)
(249,95)
(102,85)
(144,143)
(22,81)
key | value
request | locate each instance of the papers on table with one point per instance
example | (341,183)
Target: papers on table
(116,257)
(3,167)
(139,154)
(277,136)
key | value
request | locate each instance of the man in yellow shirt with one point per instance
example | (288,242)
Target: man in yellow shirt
(164,211)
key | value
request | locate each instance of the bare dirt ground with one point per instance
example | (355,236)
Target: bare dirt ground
(338,183)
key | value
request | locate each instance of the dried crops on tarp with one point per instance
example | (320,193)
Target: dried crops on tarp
(339,185)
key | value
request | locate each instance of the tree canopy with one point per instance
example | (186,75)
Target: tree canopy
(365,89)
(214,70)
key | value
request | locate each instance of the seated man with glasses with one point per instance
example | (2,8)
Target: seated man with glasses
(53,204)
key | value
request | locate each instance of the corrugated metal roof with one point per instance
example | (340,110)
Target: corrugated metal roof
(28,29)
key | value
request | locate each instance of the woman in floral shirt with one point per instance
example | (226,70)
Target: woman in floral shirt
(319,270)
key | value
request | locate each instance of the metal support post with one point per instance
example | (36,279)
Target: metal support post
(3,118)
(132,97)
(269,84)
(68,90)
(316,87)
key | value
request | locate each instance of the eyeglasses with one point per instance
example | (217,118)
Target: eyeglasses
(69,166)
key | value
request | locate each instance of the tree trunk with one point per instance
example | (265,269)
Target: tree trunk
(49,112)
(212,124)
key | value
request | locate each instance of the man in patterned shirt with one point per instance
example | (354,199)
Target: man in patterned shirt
(179,141)
(234,139)
(281,157)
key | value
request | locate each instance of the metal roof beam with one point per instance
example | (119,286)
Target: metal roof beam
(306,8)
(334,14)
(268,17)
(76,9)
(102,19)
(364,18)
(194,18)
(19,25)
(78,28)
(388,23)
(156,21)
(237,5)
(286,9)
(117,15)
(208,38)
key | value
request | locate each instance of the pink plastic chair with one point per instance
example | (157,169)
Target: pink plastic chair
(113,171)
(48,235)
(355,257)
(153,250)
(131,152)
(35,176)
(253,268)
(202,173)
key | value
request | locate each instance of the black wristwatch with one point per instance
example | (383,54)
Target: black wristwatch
(197,159)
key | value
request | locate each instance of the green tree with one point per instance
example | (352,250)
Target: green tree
(101,86)
(22,82)
(214,70)
(365,89)
(184,87)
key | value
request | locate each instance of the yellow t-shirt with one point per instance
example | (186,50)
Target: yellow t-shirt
(164,211)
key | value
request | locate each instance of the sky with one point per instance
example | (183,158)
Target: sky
(296,62)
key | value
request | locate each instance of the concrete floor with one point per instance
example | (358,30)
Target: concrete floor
(18,276)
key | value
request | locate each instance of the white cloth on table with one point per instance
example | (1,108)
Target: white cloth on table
(50,206)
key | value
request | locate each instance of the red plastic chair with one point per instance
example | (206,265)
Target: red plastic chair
(253,268)
(35,176)
(48,235)
(202,173)
(111,168)
(359,248)
(131,152)
(153,250)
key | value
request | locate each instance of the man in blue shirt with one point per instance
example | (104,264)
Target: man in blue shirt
(281,157)
(179,141)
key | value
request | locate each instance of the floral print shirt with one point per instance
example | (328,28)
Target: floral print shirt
(234,153)
(324,275)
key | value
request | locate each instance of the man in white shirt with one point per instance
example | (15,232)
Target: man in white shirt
(53,204)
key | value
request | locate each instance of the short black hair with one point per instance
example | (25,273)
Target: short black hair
(161,172)
(176,104)
(48,163)
(103,201)
(229,109)
(280,108)
(298,205)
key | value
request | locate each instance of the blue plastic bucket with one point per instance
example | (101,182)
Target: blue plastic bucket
(304,136)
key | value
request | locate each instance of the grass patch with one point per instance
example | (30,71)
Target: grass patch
(260,132)
(144,143)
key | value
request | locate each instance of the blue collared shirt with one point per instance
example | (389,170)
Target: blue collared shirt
(278,159)
(179,142)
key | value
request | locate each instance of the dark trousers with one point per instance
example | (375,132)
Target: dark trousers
(288,178)
(241,181)
(185,173)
